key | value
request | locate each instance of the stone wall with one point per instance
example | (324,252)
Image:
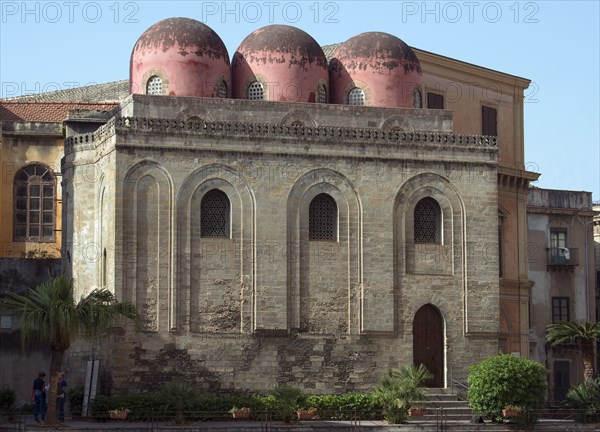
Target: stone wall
(266,306)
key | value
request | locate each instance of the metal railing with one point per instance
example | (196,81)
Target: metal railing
(562,256)
(265,421)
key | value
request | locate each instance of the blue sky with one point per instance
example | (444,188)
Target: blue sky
(54,45)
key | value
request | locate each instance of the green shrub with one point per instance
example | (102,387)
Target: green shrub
(174,403)
(504,380)
(75,398)
(179,398)
(7,404)
(7,399)
(585,397)
(344,406)
(288,400)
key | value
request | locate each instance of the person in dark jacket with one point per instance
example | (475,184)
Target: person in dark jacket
(38,396)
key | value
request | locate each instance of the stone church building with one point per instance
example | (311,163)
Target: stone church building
(300,214)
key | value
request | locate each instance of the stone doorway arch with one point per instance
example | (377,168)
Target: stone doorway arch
(428,343)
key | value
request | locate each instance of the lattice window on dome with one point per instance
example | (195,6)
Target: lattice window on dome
(356,97)
(322,93)
(214,214)
(322,218)
(256,91)
(222,90)
(34,211)
(154,86)
(427,221)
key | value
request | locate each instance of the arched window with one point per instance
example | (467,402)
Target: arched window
(222,90)
(322,93)
(154,86)
(34,192)
(214,214)
(256,91)
(356,97)
(322,218)
(428,221)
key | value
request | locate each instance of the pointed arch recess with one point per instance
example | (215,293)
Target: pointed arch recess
(147,247)
(344,294)
(445,260)
(238,249)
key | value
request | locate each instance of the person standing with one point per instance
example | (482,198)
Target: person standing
(61,393)
(38,398)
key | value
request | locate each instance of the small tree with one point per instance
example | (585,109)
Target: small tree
(399,389)
(585,334)
(179,397)
(288,400)
(504,380)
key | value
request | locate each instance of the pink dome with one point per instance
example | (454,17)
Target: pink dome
(288,62)
(383,66)
(187,56)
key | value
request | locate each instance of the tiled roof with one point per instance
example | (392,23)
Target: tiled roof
(30,111)
(107,92)
(329,50)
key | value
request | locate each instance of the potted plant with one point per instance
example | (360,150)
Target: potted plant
(287,401)
(511,411)
(118,414)
(240,413)
(399,390)
(416,410)
(308,414)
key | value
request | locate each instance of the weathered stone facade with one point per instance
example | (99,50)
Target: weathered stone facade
(265,305)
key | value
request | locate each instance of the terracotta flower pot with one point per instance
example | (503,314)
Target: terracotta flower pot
(304,415)
(118,415)
(241,414)
(416,412)
(510,412)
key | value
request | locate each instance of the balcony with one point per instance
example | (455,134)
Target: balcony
(562,258)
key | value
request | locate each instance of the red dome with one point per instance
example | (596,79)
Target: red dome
(187,56)
(383,66)
(287,61)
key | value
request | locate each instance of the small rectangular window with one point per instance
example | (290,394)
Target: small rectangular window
(435,101)
(560,309)
(489,121)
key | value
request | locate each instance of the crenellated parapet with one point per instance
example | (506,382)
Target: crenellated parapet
(373,136)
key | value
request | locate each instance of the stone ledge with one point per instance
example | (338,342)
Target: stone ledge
(265,130)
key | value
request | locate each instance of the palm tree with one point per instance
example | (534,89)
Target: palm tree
(49,314)
(570,332)
(399,389)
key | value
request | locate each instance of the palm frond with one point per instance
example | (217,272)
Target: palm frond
(49,314)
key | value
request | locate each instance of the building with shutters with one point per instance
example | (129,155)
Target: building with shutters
(300,214)
(561,268)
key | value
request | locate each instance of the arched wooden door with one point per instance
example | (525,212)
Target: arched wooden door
(428,343)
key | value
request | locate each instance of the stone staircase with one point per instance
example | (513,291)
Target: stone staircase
(446,412)
(440,401)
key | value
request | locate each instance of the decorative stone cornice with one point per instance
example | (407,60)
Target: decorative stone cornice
(157,126)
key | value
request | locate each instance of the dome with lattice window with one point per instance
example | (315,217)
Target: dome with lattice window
(280,63)
(376,69)
(180,57)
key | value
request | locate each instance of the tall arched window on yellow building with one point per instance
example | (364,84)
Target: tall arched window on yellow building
(34,193)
